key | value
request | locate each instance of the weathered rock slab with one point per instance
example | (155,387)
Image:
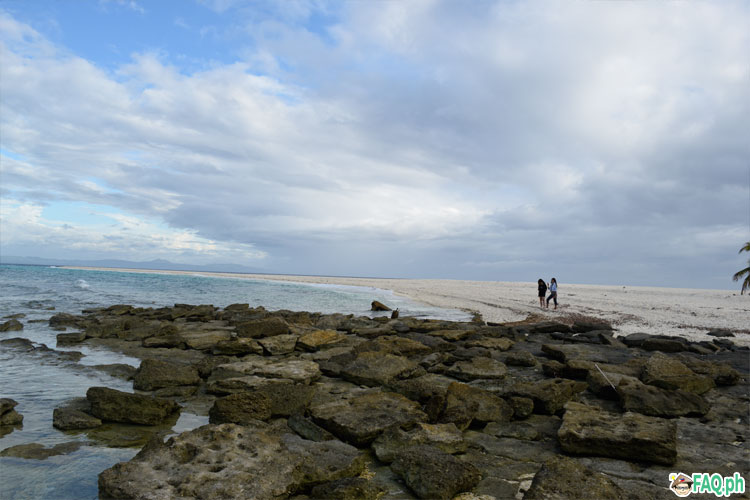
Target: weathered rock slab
(562,477)
(361,419)
(375,368)
(154,374)
(70,419)
(590,431)
(434,474)
(654,401)
(445,437)
(230,461)
(117,406)
(478,368)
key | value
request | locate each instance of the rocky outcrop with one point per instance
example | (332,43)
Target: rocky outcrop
(379,306)
(155,374)
(434,474)
(12,325)
(36,451)
(651,400)
(562,477)
(361,419)
(435,409)
(67,419)
(117,406)
(230,461)
(241,408)
(445,437)
(8,415)
(669,373)
(587,430)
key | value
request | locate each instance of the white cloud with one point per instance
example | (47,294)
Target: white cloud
(457,133)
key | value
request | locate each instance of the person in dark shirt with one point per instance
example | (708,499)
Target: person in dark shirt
(542,291)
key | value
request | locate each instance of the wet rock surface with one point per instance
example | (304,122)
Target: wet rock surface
(306,405)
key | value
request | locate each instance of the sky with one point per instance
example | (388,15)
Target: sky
(602,142)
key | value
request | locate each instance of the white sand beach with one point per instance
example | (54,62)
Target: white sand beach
(690,313)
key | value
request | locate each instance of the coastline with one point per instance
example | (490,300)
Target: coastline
(690,313)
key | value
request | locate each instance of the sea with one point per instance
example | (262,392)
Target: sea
(40,381)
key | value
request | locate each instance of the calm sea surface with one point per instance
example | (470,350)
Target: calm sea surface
(40,382)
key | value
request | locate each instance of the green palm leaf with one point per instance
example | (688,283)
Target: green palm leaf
(744,272)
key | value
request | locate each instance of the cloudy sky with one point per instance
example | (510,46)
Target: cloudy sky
(595,141)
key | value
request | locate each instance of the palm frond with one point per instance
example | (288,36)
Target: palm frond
(745,248)
(739,274)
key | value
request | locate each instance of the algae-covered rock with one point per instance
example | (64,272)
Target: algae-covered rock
(378,368)
(240,408)
(650,400)
(154,374)
(12,325)
(669,373)
(478,368)
(229,461)
(117,406)
(362,418)
(445,437)
(590,431)
(562,478)
(434,474)
(464,404)
(70,419)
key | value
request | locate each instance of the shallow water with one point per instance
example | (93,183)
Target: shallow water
(41,381)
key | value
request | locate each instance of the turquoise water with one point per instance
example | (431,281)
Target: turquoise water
(41,382)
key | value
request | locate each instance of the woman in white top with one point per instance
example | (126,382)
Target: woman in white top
(552,292)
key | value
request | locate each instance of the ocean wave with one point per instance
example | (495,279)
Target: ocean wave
(82,284)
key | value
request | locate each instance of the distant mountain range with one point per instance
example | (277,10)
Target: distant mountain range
(156,265)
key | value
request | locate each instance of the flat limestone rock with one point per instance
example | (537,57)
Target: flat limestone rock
(12,325)
(464,404)
(70,419)
(203,340)
(422,388)
(117,406)
(445,437)
(400,346)
(350,488)
(237,347)
(36,451)
(319,339)
(562,477)
(297,370)
(230,461)
(587,352)
(278,344)
(434,474)
(638,438)
(478,368)
(9,416)
(361,419)
(242,384)
(651,400)
(669,373)
(549,395)
(375,368)
(155,374)
(240,408)
(498,344)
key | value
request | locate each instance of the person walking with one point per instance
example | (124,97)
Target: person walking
(552,292)
(542,291)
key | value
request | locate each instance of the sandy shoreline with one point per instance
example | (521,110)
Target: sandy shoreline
(690,313)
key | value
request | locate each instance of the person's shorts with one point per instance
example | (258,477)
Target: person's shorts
(542,294)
